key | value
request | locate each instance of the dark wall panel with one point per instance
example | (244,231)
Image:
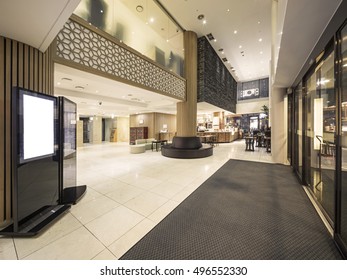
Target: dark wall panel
(215,84)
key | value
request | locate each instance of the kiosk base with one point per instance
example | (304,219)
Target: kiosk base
(36,222)
(72,195)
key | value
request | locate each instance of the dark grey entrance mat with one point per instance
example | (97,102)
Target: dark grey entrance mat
(246,210)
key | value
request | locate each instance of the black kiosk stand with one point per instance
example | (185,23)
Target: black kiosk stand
(70,193)
(37,167)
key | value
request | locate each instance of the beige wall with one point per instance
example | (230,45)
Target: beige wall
(79,134)
(143,120)
(96,131)
(161,119)
(254,106)
(122,129)
(278,120)
(154,122)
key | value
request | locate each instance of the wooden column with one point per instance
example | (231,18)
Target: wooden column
(186,111)
(24,66)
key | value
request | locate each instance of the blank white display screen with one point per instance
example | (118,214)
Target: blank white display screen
(38,127)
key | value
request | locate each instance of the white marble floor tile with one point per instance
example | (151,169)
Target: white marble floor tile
(88,211)
(163,211)
(7,249)
(167,189)
(78,245)
(105,255)
(183,194)
(130,238)
(146,203)
(65,225)
(107,185)
(111,226)
(89,195)
(123,193)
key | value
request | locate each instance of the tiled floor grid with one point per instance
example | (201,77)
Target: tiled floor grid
(128,194)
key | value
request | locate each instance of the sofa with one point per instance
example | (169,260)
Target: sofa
(146,142)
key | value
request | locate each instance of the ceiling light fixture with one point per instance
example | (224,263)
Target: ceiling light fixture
(139,8)
(66,79)
(228,10)
(240,47)
(260,39)
(79,87)
(200,17)
(204,21)
(235,31)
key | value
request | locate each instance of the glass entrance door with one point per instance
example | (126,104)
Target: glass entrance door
(342,194)
(320,124)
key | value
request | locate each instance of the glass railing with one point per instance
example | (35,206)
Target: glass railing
(141,25)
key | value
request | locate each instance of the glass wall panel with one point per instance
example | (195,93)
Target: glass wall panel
(327,153)
(344,136)
(298,129)
(290,127)
(320,148)
(141,25)
(311,160)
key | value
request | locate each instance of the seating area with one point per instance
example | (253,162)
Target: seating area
(137,149)
(147,142)
(258,139)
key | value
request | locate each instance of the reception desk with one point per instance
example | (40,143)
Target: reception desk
(221,137)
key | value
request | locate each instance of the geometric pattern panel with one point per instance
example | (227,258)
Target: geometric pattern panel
(79,44)
(215,83)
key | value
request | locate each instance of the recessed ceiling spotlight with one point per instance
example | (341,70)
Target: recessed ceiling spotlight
(260,39)
(139,8)
(261,52)
(258,22)
(235,31)
(58,83)
(210,36)
(215,40)
(204,21)
(151,19)
(200,17)
(66,79)
(228,10)
(101,11)
(240,47)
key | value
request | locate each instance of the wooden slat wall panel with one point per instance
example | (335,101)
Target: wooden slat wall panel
(23,66)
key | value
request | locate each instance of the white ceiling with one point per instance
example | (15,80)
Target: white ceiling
(249,19)
(302,21)
(96,95)
(34,22)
